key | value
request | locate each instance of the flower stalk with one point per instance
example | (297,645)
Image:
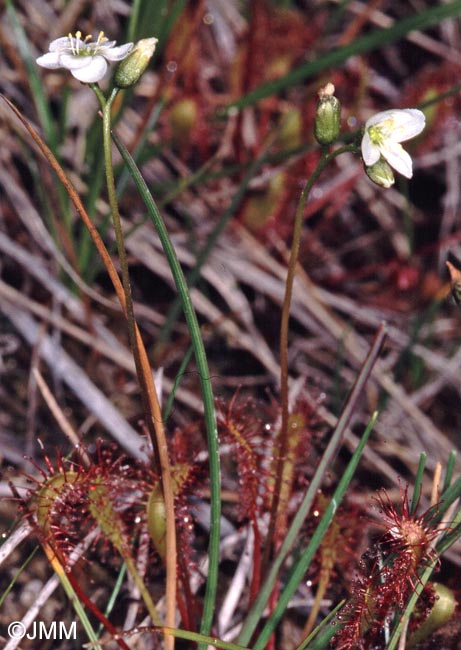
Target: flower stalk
(154,417)
(151,404)
(278,515)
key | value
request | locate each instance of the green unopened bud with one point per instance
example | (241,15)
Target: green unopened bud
(131,69)
(328,116)
(381,173)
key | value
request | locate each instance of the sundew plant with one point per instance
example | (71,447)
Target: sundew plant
(230,350)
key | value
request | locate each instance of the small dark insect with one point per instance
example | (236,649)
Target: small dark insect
(455,281)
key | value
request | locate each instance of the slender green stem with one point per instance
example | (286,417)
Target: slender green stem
(113,203)
(179,375)
(418,483)
(332,59)
(106,105)
(450,468)
(195,274)
(321,626)
(325,159)
(151,404)
(205,382)
(79,610)
(306,557)
(256,611)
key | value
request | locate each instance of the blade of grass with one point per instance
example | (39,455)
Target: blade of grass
(203,255)
(449,470)
(304,561)
(203,639)
(320,632)
(154,419)
(260,603)
(113,597)
(447,498)
(377,38)
(157,19)
(205,382)
(181,371)
(418,481)
(38,95)
(133,24)
(40,100)
(16,576)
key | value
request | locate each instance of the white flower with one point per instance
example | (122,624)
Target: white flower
(86,59)
(383,134)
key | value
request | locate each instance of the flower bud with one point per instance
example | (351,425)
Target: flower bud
(381,173)
(328,116)
(130,70)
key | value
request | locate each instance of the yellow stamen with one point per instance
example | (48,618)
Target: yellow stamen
(78,38)
(71,41)
(101,38)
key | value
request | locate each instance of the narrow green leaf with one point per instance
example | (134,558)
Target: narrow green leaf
(202,639)
(219,228)
(449,470)
(36,85)
(367,43)
(260,603)
(418,481)
(304,561)
(205,382)
(321,633)
(180,373)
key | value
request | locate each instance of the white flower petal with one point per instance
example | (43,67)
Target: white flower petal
(370,152)
(407,124)
(86,59)
(117,53)
(49,60)
(60,44)
(400,124)
(388,129)
(107,44)
(379,117)
(93,72)
(397,158)
(72,62)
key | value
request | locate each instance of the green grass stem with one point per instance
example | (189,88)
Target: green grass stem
(205,382)
(378,38)
(304,561)
(418,482)
(217,231)
(262,599)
